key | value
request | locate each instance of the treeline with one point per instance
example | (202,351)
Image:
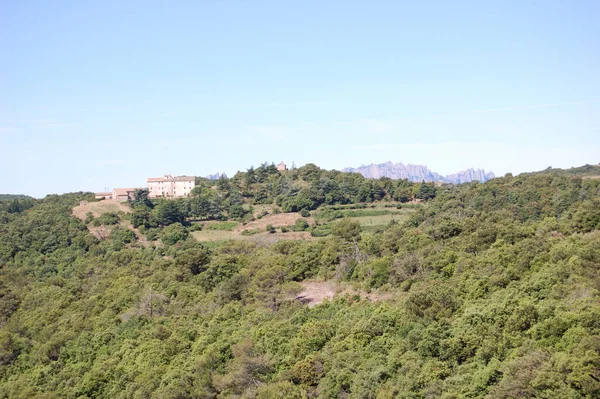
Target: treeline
(301,189)
(10,197)
(488,291)
(309,187)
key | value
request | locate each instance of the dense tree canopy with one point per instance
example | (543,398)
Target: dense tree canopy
(487,291)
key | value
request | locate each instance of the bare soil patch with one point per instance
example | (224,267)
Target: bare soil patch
(316,292)
(104,206)
(100,207)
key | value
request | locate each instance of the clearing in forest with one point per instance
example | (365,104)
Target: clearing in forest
(316,292)
(275,220)
(100,207)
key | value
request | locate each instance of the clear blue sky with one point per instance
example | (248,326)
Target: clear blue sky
(107,93)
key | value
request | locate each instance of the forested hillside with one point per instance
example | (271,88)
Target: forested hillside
(483,291)
(9,197)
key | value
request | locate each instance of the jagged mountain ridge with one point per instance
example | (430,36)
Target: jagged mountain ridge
(215,176)
(417,173)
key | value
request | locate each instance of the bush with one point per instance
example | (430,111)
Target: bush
(173,234)
(89,217)
(107,219)
(300,225)
(121,236)
(305,213)
(250,232)
(270,228)
(347,230)
(195,227)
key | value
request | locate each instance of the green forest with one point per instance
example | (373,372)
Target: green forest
(468,291)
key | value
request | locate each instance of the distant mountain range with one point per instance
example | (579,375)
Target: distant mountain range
(418,173)
(216,176)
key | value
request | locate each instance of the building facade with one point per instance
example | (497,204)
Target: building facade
(123,194)
(282,167)
(104,196)
(171,186)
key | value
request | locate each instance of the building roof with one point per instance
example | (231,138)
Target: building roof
(171,178)
(123,191)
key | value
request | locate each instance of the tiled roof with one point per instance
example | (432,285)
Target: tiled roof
(175,178)
(123,191)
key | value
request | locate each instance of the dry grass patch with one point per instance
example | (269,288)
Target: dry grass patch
(278,220)
(100,207)
(316,292)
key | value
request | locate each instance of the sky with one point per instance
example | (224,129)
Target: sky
(103,94)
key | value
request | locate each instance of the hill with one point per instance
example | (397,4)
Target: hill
(10,197)
(481,290)
(418,173)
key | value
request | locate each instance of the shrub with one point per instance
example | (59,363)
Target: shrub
(107,219)
(89,217)
(300,225)
(121,236)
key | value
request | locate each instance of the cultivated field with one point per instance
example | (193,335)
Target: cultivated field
(254,231)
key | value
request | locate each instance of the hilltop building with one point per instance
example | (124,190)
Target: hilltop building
(104,195)
(171,186)
(123,194)
(281,167)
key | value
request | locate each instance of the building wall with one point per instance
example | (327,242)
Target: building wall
(161,188)
(183,188)
(170,188)
(122,197)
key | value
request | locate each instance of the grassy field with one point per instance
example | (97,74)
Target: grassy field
(217,235)
(381,220)
(223,226)
(369,217)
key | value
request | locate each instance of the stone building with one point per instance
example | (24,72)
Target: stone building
(123,194)
(281,167)
(104,196)
(171,186)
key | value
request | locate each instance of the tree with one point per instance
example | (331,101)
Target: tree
(142,216)
(140,197)
(347,229)
(173,233)
(167,212)
(426,191)
(194,259)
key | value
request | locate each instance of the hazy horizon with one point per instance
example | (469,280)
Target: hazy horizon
(143,183)
(105,95)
